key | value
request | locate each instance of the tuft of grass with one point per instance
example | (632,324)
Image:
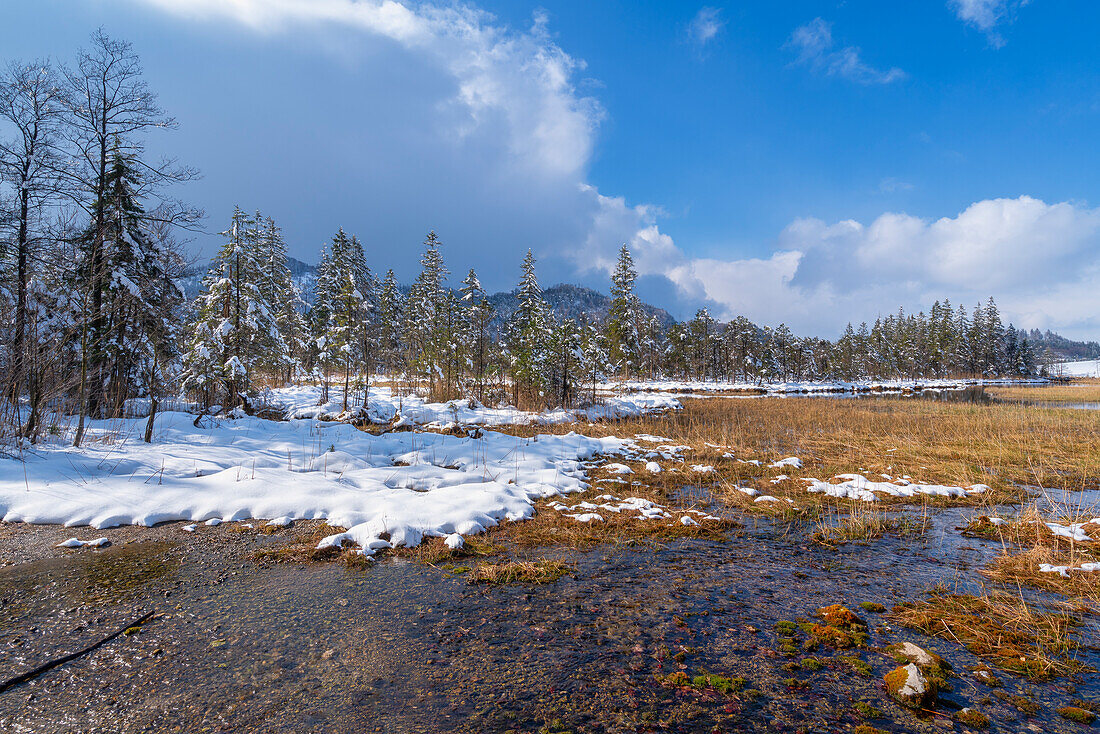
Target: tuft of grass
(972,717)
(866,710)
(866,522)
(519,572)
(1077,714)
(434,551)
(1023,569)
(1020,703)
(870,606)
(303,547)
(1001,628)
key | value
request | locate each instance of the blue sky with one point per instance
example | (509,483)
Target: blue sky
(800,162)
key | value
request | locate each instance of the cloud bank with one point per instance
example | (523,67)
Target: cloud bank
(1041,261)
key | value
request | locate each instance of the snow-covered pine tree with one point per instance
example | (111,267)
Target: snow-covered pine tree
(564,362)
(624,315)
(233,323)
(427,321)
(529,335)
(391,311)
(595,361)
(342,307)
(140,303)
(288,343)
(477,313)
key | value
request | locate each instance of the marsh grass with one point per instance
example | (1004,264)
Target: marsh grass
(435,551)
(1001,628)
(1022,569)
(865,521)
(1001,445)
(551,528)
(302,548)
(543,571)
(1079,391)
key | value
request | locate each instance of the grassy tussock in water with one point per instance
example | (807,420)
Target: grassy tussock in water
(519,572)
(1001,628)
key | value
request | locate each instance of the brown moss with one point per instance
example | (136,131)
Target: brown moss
(972,717)
(1077,714)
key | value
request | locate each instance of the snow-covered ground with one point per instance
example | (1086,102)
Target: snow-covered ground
(383,407)
(404,484)
(632,387)
(1086,368)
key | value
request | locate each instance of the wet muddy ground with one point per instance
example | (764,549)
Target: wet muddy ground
(401,646)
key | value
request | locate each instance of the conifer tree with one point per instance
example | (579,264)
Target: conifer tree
(624,315)
(478,312)
(427,318)
(342,307)
(233,322)
(391,313)
(529,337)
(288,343)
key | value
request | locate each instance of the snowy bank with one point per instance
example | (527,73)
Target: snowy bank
(383,407)
(1085,368)
(391,489)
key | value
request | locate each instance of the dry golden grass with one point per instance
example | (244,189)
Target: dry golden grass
(434,551)
(1029,528)
(1079,391)
(303,547)
(933,442)
(519,572)
(1022,569)
(1001,628)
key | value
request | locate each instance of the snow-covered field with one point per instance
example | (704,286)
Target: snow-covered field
(407,484)
(632,387)
(1086,368)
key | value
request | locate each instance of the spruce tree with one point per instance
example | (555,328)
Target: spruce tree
(529,337)
(477,313)
(233,322)
(624,315)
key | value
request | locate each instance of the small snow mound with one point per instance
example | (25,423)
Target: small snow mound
(75,543)
(685,520)
(789,461)
(189,528)
(280,522)
(454,541)
(653,467)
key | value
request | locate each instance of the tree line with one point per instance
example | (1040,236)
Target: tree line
(93,317)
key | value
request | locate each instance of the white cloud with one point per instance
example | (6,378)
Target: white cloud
(1040,261)
(985,15)
(814,45)
(523,78)
(706,25)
